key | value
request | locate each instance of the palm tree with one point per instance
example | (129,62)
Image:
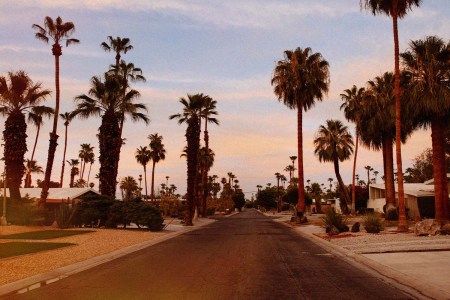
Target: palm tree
(67,118)
(190,115)
(396,9)
(90,159)
(102,101)
(86,154)
(117,45)
(32,167)
(334,143)
(18,95)
(207,111)
(206,161)
(353,101)
(142,156)
(428,61)
(74,171)
(36,118)
(300,79)
(57,31)
(377,125)
(157,153)
(368,169)
(290,169)
(278,177)
(125,73)
(129,186)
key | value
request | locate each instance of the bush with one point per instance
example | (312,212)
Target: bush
(372,223)
(332,218)
(25,214)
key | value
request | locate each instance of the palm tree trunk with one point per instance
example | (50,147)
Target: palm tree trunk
(53,143)
(89,174)
(145,182)
(354,173)
(439,172)
(402,224)
(153,183)
(15,147)
(28,175)
(343,187)
(205,171)
(301,183)
(388,158)
(64,158)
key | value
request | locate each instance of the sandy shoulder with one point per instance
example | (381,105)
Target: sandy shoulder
(88,245)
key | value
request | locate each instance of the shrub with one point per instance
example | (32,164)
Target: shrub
(25,214)
(332,218)
(372,223)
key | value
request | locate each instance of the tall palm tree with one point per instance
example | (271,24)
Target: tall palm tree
(300,79)
(368,169)
(334,143)
(102,101)
(291,170)
(126,73)
(207,111)
(90,159)
(278,177)
(117,45)
(428,61)
(18,96)
(57,31)
(190,115)
(86,155)
(142,156)
(74,171)
(67,118)
(157,153)
(37,119)
(353,101)
(378,125)
(396,9)
(32,167)
(206,161)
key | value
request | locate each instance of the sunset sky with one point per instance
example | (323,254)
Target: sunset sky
(226,49)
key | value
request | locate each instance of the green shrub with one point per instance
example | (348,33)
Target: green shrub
(332,218)
(372,223)
(25,214)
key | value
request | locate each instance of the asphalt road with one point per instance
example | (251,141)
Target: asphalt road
(246,256)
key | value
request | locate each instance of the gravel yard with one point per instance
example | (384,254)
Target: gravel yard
(89,245)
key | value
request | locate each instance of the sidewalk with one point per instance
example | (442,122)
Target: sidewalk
(422,264)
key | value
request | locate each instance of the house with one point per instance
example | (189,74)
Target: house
(419,198)
(57,195)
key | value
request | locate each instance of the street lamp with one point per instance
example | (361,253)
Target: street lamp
(3,219)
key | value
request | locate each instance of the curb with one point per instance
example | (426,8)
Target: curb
(36,281)
(410,285)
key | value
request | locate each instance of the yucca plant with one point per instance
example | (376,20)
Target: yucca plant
(333,218)
(373,223)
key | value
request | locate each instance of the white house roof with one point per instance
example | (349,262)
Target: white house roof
(431,181)
(55,193)
(413,189)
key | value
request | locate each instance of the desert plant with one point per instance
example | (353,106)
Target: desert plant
(391,214)
(332,218)
(373,223)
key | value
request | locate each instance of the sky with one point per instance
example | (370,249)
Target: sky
(225,49)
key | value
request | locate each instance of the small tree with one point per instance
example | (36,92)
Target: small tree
(238,199)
